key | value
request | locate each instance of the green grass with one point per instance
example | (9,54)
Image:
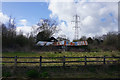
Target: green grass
(87,72)
(69,54)
(75,72)
(53,54)
(91,71)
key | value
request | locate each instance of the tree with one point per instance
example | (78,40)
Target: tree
(11,41)
(8,33)
(11,27)
(4,35)
(83,38)
(46,29)
(21,41)
(62,38)
(43,36)
(118,42)
(96,41)
(90,40)
(111,39)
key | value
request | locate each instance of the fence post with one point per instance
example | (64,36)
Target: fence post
(63,61)
(40,63)
(15,65)
(104,60)
(85,60)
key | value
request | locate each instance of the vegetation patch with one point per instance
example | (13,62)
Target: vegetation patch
(33,74)
(6,74)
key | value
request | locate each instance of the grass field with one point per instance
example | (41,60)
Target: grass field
(90,71)
(57,54)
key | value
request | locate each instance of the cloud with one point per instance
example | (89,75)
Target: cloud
(103,0)
(23,22)
(25,29)
(59,0)
(24,0)
(3,18)
(91,15)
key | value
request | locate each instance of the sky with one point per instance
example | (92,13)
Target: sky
(96,18)
(32,12)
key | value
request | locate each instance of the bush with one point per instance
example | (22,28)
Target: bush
(6,74)
(45,74)
(33,74)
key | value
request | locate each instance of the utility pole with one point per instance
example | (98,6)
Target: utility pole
(76,21)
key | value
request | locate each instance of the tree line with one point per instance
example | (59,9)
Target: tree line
(11,41)
(46,28)
(108,42)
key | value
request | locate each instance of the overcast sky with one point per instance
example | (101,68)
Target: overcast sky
(96,18)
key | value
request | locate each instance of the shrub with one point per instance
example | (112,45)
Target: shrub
(45,74)
(6,74)
(33,74)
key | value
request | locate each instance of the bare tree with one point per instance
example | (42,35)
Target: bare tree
(46,29)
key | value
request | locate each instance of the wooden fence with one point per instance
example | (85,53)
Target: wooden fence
(63,61)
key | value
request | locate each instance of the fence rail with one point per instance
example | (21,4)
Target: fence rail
(61,57)
(63,61)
